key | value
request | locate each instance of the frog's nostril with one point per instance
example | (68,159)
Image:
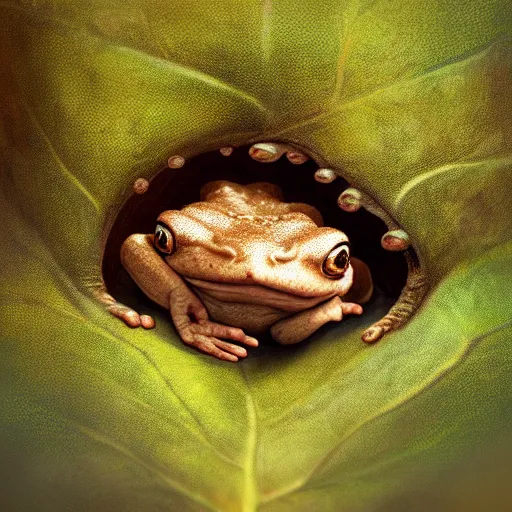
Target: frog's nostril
(222,250)
(283,256)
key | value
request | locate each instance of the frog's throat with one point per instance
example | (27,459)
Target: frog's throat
(256,294)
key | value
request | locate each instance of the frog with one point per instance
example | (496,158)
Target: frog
(239,262)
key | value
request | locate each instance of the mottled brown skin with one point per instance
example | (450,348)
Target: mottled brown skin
(243,260)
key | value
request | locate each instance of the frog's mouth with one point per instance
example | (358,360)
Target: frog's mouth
(256,294)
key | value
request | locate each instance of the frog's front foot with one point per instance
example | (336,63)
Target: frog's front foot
(196,330)
(205,335)
(128,315)
(298,327)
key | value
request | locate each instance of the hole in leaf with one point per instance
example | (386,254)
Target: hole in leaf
(175,188)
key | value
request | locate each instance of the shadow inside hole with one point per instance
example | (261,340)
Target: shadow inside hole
(173,189)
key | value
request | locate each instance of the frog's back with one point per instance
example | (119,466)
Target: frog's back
(256,199)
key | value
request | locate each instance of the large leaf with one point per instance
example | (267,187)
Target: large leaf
(411,101)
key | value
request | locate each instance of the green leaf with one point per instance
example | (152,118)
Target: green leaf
(410,101)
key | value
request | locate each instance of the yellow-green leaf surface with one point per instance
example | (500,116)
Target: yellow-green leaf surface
(410,101)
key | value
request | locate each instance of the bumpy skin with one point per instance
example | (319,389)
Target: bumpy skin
(243,261)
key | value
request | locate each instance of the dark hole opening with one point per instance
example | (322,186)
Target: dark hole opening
(175,188)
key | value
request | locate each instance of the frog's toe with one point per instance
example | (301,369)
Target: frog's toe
(267,152)
(176,161)
(296,157)
(325,175)
(395,240)
(147,321)
(225,331)
(212,346)
(126,314)
(351,308)
(226,151)
(373,334)
(230,347)
(350,200)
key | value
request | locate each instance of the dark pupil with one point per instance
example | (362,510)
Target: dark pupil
(341,259)
(161,238)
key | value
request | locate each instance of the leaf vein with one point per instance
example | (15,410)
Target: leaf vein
(464,58)
(454,363)
(414,182)
(65,171)
(197,432)
(250,490)
(174,484)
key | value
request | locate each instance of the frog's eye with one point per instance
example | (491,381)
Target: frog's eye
(164,241)
(337,261)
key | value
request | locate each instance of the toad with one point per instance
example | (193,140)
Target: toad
(242,261)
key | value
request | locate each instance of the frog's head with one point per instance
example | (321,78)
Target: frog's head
(280,258)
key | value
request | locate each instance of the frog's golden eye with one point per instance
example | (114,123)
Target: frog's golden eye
(337,261)
(164,241)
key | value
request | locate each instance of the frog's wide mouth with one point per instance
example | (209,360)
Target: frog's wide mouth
(257,294)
